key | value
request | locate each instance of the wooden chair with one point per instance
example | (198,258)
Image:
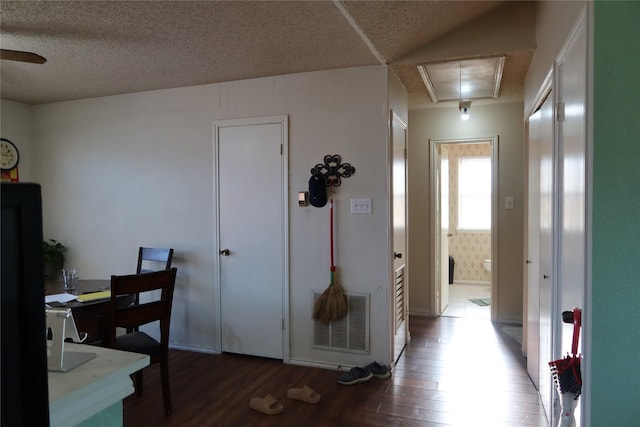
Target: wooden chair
(155,257)
(135,315)
(152,259)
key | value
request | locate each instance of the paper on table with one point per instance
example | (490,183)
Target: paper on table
(92,296)
(63,298)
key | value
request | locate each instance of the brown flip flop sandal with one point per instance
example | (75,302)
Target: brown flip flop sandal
(305,394)
(267,405)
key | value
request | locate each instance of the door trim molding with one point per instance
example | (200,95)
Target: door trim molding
(433,144)
(283,120)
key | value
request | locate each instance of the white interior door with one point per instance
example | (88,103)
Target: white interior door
(399,189)
(546,270)
(571,257)
(440,222)
(251,202)
(537,130)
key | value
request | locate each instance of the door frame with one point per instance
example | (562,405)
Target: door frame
(433,221)
(283,120)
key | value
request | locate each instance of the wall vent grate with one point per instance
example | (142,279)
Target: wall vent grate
(400,302)
(349,334)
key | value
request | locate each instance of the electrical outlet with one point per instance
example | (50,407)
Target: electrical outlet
(361,206)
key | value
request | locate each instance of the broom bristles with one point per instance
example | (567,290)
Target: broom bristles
(331,305)
(320,304)
(567,376)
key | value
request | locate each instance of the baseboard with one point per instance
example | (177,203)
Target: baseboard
(300,362)
(471,282)
(420,313)
(194,348)
(321,365)
(509,321)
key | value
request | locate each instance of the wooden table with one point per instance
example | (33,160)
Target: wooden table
(91,317)
(82,286)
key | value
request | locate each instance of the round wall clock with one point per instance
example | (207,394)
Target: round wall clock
(9,155)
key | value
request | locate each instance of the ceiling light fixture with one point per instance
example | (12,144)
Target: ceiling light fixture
(463,106)
(464,109)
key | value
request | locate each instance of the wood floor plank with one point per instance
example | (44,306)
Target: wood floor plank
(454,372)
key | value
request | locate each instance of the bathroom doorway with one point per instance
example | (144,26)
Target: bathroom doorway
(464,188)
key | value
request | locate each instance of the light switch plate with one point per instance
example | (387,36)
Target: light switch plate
(303,198)
(508,203)
(361,206)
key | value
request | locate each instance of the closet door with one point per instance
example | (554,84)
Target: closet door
(572,187)
(556,279)
(540,248)
(571,255)
(252,236)
(536,129)
(400,302)
(547,197)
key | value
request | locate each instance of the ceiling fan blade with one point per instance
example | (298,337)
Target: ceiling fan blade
(18,55)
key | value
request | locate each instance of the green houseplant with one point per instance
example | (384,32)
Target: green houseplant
(53,256)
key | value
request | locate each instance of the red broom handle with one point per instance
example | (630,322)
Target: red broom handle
(333,267)
(577,323)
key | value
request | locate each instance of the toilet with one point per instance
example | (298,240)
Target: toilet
(486,263)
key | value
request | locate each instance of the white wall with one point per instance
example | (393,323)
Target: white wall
(15,125)
(129,170)
(505,120)
(554,20)
(398,97)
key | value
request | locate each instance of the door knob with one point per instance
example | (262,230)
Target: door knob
(225,252)
(544,276)
(397,255)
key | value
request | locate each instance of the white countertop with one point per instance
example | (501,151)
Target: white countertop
(93,386)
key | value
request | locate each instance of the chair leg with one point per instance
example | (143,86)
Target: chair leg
(166,389)
(138,383)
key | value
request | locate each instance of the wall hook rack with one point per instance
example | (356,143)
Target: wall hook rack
(333,170)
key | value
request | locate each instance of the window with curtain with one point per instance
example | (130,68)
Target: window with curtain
(474,193)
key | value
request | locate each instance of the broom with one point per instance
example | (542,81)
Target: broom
(332,304)
(566,373)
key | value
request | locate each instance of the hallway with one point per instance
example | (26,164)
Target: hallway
(460,304)
(465,372)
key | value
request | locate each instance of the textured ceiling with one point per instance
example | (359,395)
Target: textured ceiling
(98,48)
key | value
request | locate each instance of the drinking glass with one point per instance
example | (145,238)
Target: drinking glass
(70,278)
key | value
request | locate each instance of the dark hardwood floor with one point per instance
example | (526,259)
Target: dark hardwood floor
(455,372)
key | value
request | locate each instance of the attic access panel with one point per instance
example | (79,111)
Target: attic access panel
(463,80)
